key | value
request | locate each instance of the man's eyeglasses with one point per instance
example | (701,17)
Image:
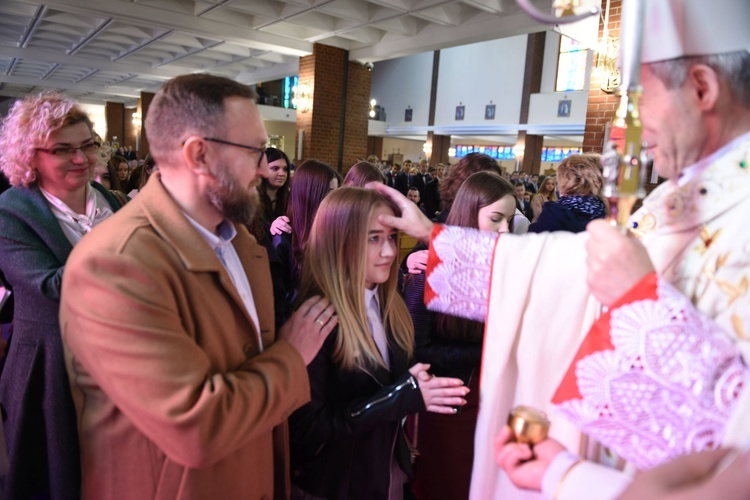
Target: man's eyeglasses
(62,152)
(262,150)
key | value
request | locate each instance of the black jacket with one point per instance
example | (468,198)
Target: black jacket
(557,217)
(284,272)
(400,182)
(525,208)
(343,439)
(448,358)
(431,198)
(418,181)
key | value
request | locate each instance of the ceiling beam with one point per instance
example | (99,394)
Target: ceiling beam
(154,17)
(144,70)
(490,28)
(65,85)
(275,72)
(103,26)
(31,29)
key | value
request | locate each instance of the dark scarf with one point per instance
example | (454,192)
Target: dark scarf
(592,205)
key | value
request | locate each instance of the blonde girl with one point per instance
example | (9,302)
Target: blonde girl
(348,442)
(546,193)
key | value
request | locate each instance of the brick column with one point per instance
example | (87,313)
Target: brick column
(114,112)
(375,146)
(532,155)
(143,103)
(601,105)
(532,84)
(440,146)
(357,114)
(440,143)
(335,127)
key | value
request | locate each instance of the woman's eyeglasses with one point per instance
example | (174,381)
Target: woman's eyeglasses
(63,152)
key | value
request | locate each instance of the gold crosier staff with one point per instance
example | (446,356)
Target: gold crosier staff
(624,158)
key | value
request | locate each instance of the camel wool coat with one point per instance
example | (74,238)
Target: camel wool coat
(174,395)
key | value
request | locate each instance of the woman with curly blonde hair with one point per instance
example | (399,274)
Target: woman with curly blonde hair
(580,182)
(348,441)
(48,152)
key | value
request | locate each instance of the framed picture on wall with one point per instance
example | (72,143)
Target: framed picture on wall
(489,112)
(563,108)
(408,115)
(460,110)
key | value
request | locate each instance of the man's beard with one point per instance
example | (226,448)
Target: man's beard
(237,203)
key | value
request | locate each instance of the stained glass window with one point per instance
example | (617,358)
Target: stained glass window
(549,154)
(289,83)
(571,65)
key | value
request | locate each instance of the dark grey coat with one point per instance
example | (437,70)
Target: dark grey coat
(39,416)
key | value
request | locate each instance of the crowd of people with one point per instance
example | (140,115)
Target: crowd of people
(231,325)
(386,358)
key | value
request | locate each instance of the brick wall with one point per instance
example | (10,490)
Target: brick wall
(357,114)
(601,106)
(304,120)
(326,106)
(323,72)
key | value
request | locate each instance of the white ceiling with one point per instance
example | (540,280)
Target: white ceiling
(111,50)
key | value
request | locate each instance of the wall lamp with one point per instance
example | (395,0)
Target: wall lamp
(427,148)
(302,99)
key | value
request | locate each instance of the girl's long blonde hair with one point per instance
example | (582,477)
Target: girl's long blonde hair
(335,259)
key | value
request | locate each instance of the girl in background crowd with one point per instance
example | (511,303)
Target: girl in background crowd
(469,164)
(545,193)
(453,347)
(140,175)
(472,163)
(105,175)
(313,181)
(348,441)
(105,169)
(363,172)
(121,168)
(274,191)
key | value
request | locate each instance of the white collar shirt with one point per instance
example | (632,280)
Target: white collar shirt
(375,321)
(75,225)
(225,251)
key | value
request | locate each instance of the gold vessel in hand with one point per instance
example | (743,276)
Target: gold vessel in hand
(529,425)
